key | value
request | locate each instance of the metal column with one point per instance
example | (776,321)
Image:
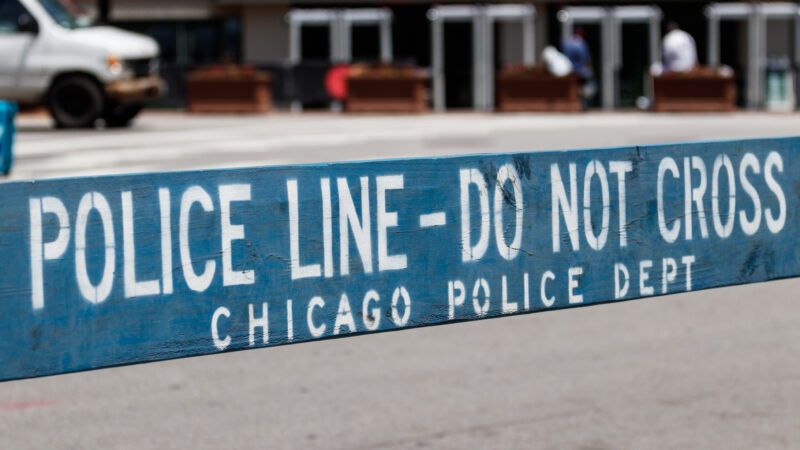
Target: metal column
(438,16)
(776,11)
(649,15)
(340,41)
(526,15)
(611,21)
(340,23)
(479,50)
(655,38)
(295,42)
(529,38)
(380,17)
(575,15)
(745,12)
(297,18)
(796,60)
(756,57)
(483,19)
(713,40)
(386,40)
(610,60)
(437,62)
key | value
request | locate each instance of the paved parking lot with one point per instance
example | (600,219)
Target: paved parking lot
(163,141)
(713,369)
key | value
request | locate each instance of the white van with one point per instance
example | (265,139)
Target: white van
(82,73)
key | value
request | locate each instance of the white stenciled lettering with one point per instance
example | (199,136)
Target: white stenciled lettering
(526,294)
(475,178)
(456,293)
(481,285)
(621,287)
(644,276)
(166,240)
(508,307)
(133,287)
(289,321)
(327,227)
(386,220)
(398,294)
(669,233)
(371,316)
(220,344)
(750,226)
(315,303)
(723,230)
(687,263)
(773,162)
(694,195)
(344,317)
(546,300)
(596,241)
(45,251)
(349,220)
(569,205)
(201,282)
(258,322)
(668,273)
(620,168)
(229,193)
(298,270)
(506,174)
(573,278)
(94,293)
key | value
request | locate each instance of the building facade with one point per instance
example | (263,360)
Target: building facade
(194,33)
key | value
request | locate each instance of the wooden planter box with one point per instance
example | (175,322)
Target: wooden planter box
(228,90)
(537,91)
(384,93)
(697,91)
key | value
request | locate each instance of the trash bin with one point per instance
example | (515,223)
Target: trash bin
(7,112)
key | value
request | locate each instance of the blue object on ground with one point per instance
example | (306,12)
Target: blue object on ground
(8,110)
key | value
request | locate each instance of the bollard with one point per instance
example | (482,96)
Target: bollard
(8,110)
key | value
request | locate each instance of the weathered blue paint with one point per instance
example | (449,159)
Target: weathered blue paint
(58,330)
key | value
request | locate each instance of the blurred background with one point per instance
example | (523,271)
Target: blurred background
(455,55)
(195,33)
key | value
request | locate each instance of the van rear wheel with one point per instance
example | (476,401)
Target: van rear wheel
(76,101)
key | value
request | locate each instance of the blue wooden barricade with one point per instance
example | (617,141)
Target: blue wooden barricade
(106,271)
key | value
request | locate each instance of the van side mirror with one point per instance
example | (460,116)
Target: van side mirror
(27,24)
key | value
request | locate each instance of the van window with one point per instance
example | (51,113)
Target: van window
(10,10)
(63,15)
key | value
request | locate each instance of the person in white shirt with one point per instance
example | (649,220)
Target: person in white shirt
(557,63)
(679,49)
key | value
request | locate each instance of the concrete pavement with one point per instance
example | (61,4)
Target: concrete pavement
(164,141)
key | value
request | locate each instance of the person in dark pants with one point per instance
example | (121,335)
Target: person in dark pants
(576,49)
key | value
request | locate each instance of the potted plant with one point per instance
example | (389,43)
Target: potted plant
(386,88)
(522,88)
(703,89)
(228,89)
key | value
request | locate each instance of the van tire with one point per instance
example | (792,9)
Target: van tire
(76,101)
(120,116)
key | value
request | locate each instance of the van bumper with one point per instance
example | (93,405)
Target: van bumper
(136,90)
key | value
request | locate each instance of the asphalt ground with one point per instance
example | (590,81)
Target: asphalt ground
(711,369)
